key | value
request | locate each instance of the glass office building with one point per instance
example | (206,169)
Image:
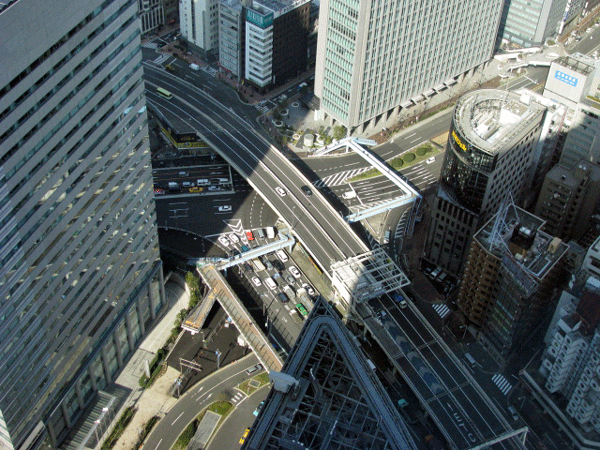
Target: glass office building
(80,274)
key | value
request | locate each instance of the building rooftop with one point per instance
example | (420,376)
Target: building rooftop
(277,6)
(490,118)
(515,236)
(327,396)
(580,63)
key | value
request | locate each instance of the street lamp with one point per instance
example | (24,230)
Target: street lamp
(464,332)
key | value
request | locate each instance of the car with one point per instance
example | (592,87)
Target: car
(233,238)
(294,271)
(280,191)
(248,267)
(301,309)
(254,369)
(268,263)
(430,160)
(290,279)
(258,408)
(513,412)
(159,191)
(309,289)
(278,265)
(270,283)
(256,281)
(214,188)
(281,255)
(249,235)
(245,248)
(306,191)
(223,240)
(282,297)
(224,208)
(244,436)
(401,302)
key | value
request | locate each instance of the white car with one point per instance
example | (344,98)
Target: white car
(430,160)
(224,208)
(223,240)
(233,238)
(280,191)
(256,281)
(295,272)
(309,289)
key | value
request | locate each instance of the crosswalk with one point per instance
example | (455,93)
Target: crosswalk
(262,108)
(152,45)
(339,178)
(441,309)
(210,70)
(161,59)
(238,397)
(502,383)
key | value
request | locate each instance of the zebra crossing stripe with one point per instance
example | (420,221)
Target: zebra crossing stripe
(502,383)
(441,309)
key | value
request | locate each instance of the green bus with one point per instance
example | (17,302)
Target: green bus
(164,93)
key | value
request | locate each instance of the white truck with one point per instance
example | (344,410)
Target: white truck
(349,194)
(270,232)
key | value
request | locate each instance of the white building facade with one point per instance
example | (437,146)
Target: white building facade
(377,56)
(199,24)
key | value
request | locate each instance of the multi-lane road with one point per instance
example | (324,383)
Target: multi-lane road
(321,228)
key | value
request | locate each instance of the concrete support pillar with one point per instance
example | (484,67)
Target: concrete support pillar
(118,349)
(105,365)
(65,413)
(130,337)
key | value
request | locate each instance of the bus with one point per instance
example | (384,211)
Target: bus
(164,93)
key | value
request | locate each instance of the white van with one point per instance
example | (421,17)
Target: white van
(349,194)
(203,182)
(281,255)
(270,283)
(270,232)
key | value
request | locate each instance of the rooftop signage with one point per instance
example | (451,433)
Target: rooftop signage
(258,19)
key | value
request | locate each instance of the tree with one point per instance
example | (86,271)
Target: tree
(339,132)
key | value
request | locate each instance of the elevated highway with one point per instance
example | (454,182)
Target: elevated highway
(330,240)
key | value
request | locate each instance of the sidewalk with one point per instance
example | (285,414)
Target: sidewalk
(153,401)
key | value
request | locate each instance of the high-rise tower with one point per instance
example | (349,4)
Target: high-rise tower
(490,152)
(80,274)
(375,55)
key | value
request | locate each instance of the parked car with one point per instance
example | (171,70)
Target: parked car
(256,281)
(245,248)
(290,279)
(249,235)
(301,309)
(244,436)
(224,241)
(309,289)
(258,408)
(233,238)
(294,271)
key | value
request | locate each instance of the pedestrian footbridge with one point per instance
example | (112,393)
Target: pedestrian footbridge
(221,291)
(359,146)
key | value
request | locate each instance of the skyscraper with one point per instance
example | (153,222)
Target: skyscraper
(528,23)
(375,55)
(511,271)
(490,151)
(80,274)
